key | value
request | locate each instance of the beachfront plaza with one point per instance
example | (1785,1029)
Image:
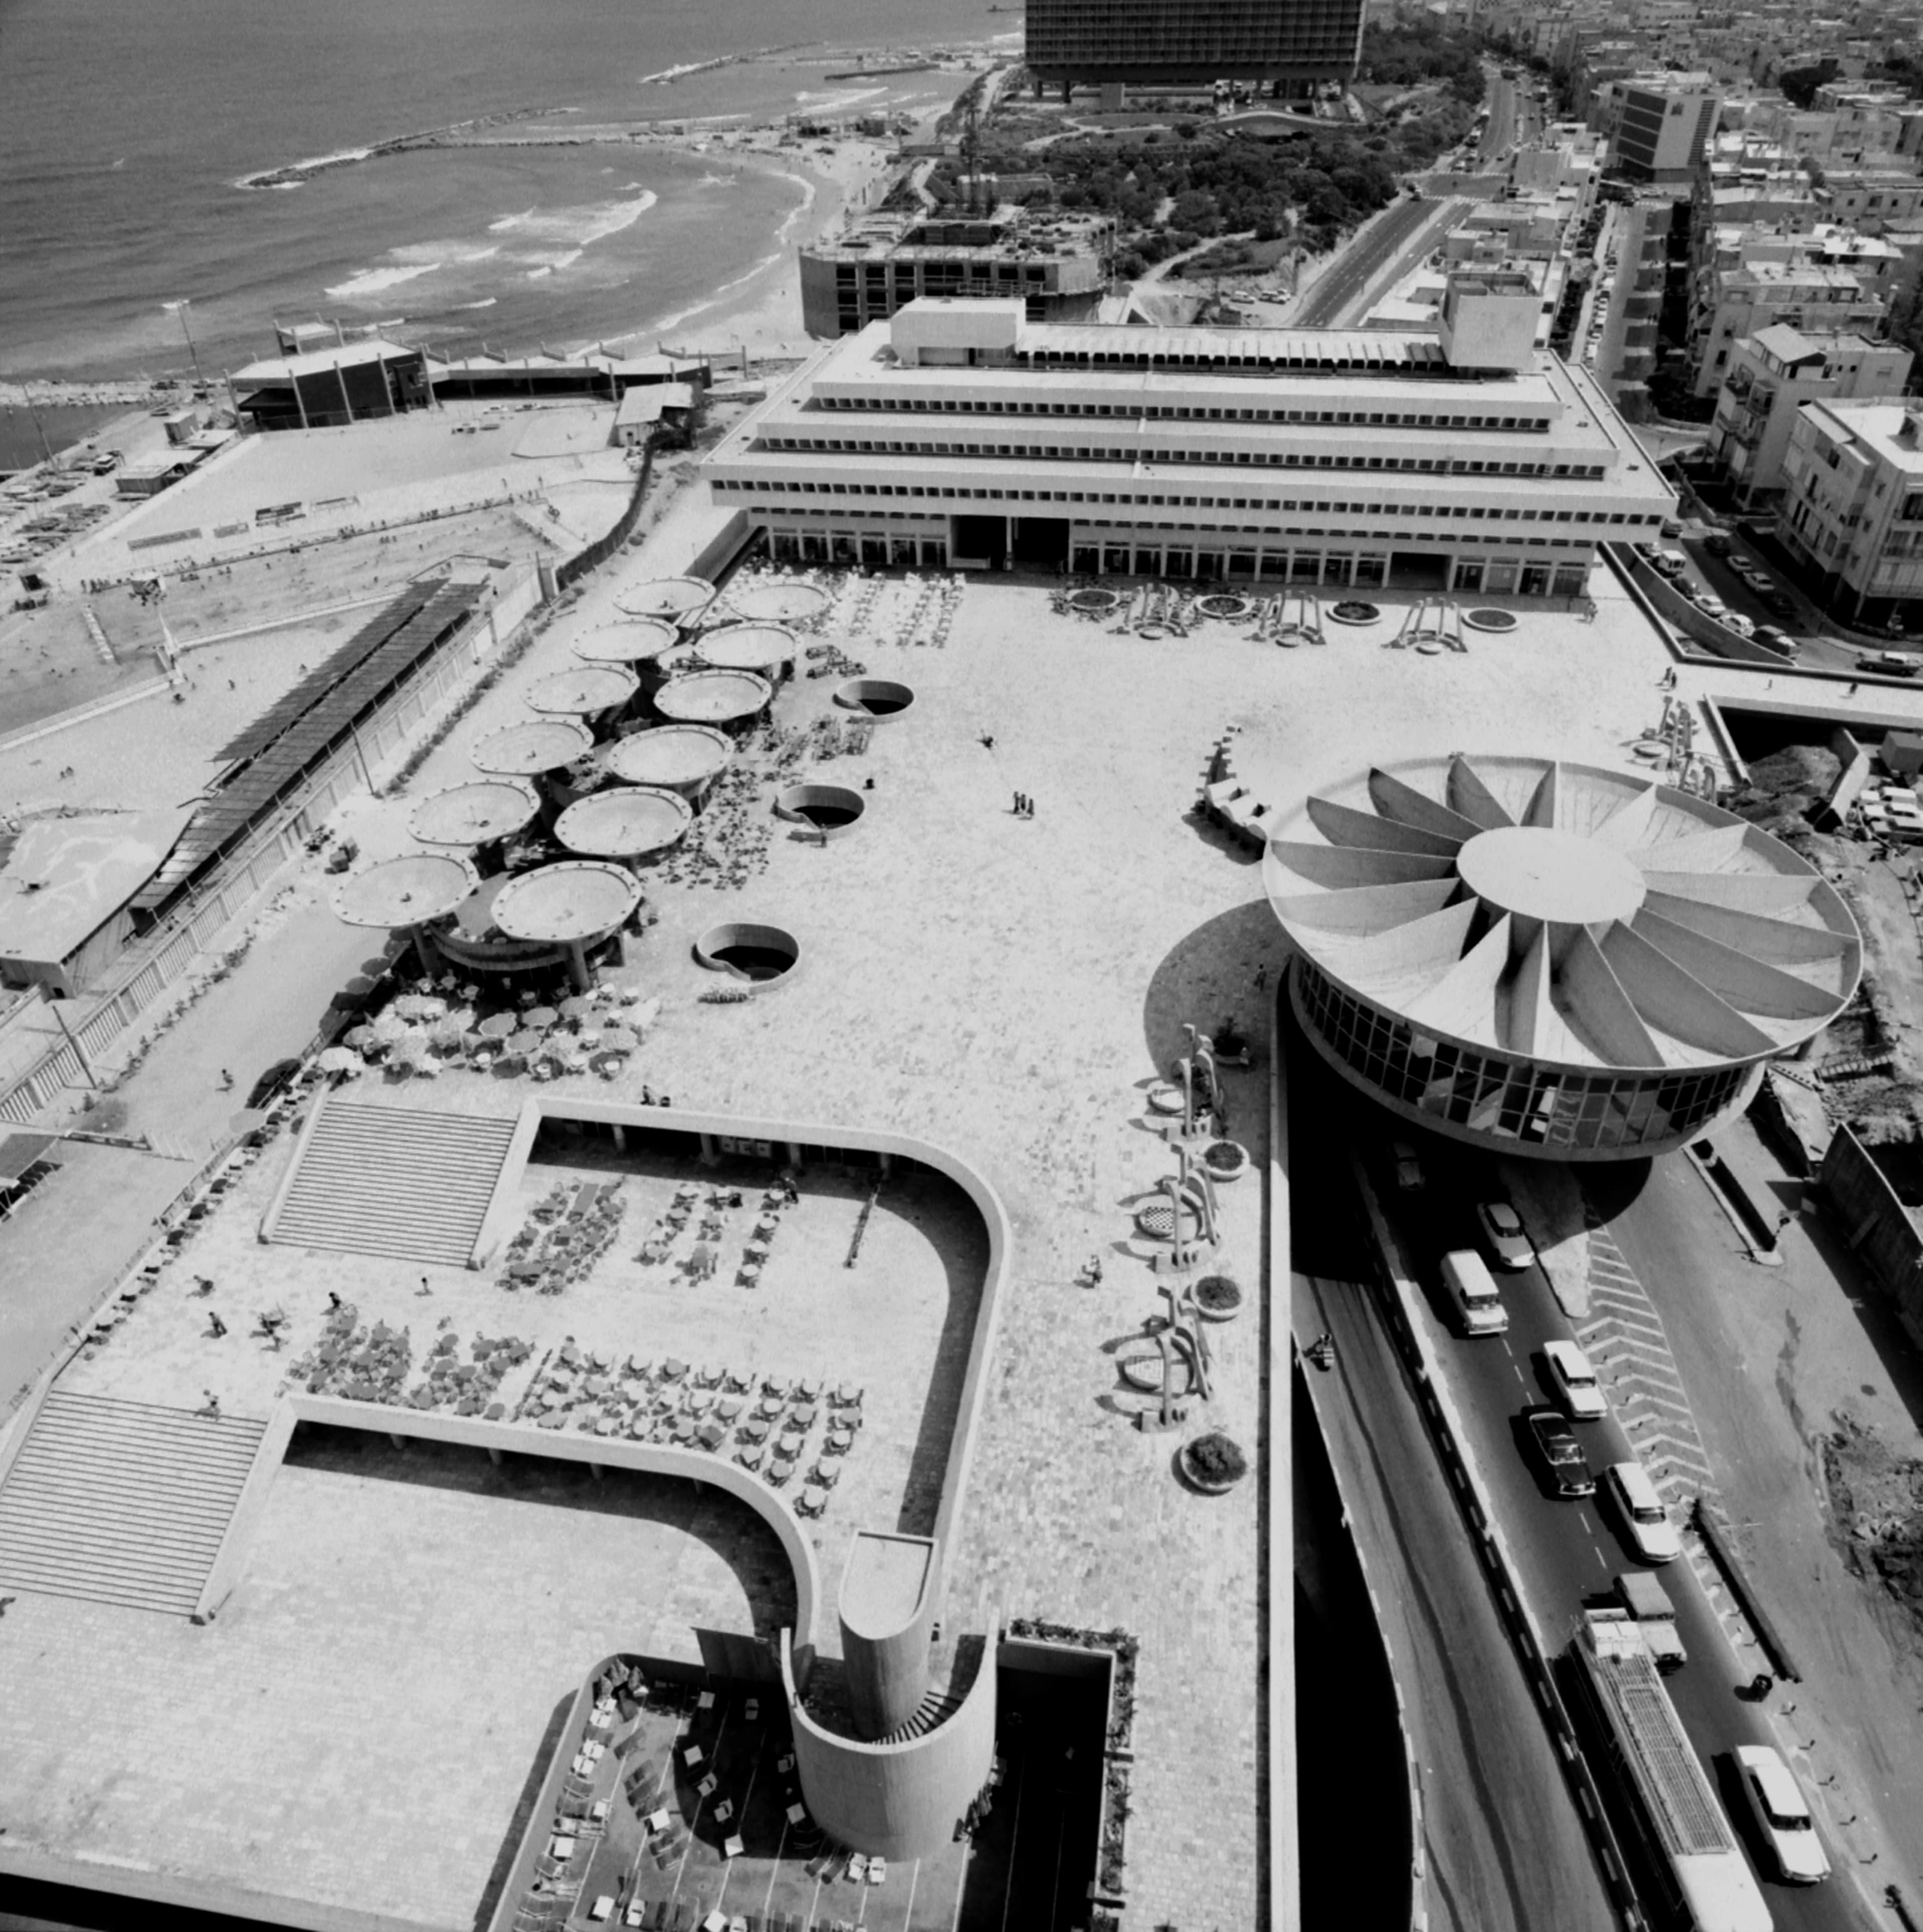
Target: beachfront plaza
(685,1412)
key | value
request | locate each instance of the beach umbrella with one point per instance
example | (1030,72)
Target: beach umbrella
(541,1016)
(499,1026)
(340,1060)
(578,1006)
(409,1052)
(360,1037)
(526,1041)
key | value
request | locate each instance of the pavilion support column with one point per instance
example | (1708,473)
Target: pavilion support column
(620,1136)
(493,1455)
(399,1441)
(794,1153)
(710,1153)
(578,976)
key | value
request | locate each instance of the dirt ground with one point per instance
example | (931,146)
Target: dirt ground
(1877,1495)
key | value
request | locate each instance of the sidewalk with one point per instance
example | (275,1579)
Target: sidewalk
(1772,1358)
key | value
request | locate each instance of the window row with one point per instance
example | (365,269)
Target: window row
(1288,506)
(1491,1094)
(1180,413)
(1220,458)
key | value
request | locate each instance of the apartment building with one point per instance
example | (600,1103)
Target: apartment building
(1853,507)
(962,435)
(1771,376)
(1656,124)
(1816,298)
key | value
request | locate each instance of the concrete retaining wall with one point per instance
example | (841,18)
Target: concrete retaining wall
(1875,1224)
(1673,607)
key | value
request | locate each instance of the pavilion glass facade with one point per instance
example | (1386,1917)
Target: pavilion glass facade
(1505,1097)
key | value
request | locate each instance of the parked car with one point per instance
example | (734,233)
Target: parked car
(1710,605)
(1717,545)
(1749,570)
(1782,1815)
(1778,603)
(1890,663)
(1644,1521)
(1408,1168)
(1575,1382)
(1735,620)
(1778,640)
(1559,1452)
(1671,562)
(1503,1234)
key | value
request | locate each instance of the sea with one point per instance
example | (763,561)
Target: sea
(129,131)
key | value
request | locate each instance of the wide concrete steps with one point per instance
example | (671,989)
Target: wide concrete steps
(403,1182)
(121,1502)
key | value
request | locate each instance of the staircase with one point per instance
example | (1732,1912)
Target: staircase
(935,1709)
(400,1181)
(121,1502)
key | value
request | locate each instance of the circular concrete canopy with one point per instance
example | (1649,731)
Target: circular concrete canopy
(680,598)
(1564,914)
(567,902)
(405,890)
(776,600)
(759,647)
(582,690)
(639,640)
(680,755)
(624,822)
(713,697)
(1536,872)
(475,813)
(542,745)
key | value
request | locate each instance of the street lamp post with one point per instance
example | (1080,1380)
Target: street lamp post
(180,309)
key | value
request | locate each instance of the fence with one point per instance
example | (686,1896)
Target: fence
(598,553)
(1875,1224)
(161,957)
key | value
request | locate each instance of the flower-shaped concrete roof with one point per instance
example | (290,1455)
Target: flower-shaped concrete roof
(1564,912)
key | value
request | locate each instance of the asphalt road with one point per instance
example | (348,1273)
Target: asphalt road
(1501,132)
(1505,1849)
(1567,1551)
(1366,256)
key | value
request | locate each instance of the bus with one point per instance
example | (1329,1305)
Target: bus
(1689,1853)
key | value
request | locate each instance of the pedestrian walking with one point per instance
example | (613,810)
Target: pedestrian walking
(1262,976)
(334,1302)
(424,1289)
(987,741)
(216,1327)
(212,1405)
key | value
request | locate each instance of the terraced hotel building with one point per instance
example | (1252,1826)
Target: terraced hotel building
(959,434)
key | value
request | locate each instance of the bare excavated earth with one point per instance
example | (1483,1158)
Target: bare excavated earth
(1876,1497)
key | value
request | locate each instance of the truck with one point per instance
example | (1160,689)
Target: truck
(1681,1847)
(1648,1603)
(1471,1289)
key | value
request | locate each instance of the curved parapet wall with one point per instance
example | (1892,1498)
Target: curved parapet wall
(649,1459)
(886,1627)
(903,1800)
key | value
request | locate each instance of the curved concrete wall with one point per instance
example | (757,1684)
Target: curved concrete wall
(987,1204)
(901,1800)
(605,1452)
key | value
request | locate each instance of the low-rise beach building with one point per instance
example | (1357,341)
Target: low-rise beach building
(1060,264)
(960,434)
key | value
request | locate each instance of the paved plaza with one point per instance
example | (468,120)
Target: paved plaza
(1004,987)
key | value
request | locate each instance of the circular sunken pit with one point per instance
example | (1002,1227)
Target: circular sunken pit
(639,640)
(1096,600)
(624,822)
(880,698)
(714,696)
(766,956)
(1227,604)
(405,890)
(476,813)
(583,691)
(769,649)
(1484,619)
(679,599)
(777,601)
(680,757)
(1354,610)
(831,809)
(524,751)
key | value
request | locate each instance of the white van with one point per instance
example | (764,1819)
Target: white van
(1644,1521)
(1472,1289)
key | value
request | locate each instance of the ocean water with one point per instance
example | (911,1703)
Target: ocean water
(126,128)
